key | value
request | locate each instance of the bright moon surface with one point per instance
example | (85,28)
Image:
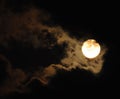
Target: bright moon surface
(91,48)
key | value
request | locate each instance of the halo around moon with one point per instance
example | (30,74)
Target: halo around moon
(91,48)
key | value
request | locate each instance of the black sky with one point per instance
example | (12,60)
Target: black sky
(98,19)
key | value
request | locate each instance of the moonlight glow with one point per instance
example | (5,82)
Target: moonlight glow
(90,48)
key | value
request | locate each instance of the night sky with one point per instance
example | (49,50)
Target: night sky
(81,20)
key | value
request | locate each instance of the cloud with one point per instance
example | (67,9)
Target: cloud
(26,32)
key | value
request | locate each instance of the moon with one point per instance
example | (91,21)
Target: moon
(91,48)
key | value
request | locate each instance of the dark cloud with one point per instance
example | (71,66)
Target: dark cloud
(30,49)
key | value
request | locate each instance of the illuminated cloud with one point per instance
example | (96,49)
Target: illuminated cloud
(26,30)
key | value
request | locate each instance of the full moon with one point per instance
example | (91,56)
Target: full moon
(90,48)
